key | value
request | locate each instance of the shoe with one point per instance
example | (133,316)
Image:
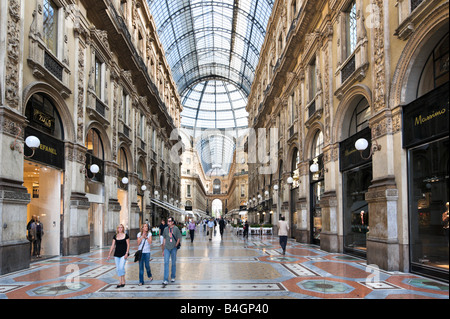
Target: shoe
(150,279)
(172,280)
(140,284)
(165,283)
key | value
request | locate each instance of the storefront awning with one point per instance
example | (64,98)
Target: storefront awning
(168,206)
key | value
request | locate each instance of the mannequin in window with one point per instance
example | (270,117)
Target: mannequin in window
(445,222)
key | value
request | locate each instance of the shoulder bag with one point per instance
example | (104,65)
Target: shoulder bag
(138,254)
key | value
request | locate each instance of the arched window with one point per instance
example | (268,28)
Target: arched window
(95,154)
(123,162)
(435,72)
(216,186)
(360,117)
(317,146)
(43,115)
(94,144)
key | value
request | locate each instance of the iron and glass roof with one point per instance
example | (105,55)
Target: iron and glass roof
(213,50)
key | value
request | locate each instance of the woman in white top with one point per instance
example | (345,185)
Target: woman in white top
(144,239)
(283,229)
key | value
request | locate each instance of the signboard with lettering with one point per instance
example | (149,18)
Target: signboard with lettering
(426,118)
(51,150)
(349,156)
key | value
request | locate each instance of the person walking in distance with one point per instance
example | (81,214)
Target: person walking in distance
(245,228)
(161,230)
(121,246)
(191,227)
(221,226)
(144,239)
(283,229)
(211,228)
(172,237)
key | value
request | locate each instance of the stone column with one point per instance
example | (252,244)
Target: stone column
(76,238)
(14,198)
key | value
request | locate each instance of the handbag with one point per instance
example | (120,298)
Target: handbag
(138,254)
(179,245)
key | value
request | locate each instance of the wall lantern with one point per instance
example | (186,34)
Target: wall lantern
(290,180)
(31,141)
(94,169)
(143,188)
(362,144)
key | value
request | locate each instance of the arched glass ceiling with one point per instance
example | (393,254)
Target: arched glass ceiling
(212,47)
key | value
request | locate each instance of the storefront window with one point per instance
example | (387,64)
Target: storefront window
(317,186)
(429,194)
(356,209)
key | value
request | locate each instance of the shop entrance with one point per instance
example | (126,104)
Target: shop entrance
(44,183)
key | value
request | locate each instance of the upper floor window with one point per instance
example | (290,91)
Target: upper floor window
(124,107)
(312,80)
(50,32)
(98,78)
(351,34)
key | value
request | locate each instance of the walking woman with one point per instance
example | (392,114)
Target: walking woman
(144,239)
(121,246)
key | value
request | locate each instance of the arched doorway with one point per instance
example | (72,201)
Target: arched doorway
(356,175)
(295,174)
(217,208)
(122,188)
(316,186)
(426,140)
(94,186)
(44,172)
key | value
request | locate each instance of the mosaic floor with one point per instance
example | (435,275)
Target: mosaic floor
(230,267)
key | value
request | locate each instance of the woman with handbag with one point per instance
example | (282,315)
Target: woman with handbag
(121,246)
(144,239)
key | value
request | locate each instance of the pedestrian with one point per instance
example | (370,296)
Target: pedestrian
(172,237)
(204,225)
(161,230)
(283,229)
(29,236)
(210,228)
(144,239)
(191,227)
(121,247)
(221,226)
(245,229)
(37,232)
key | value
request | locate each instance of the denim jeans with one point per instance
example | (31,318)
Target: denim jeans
(144,262)
(283,242)
(172,254)
(120,265)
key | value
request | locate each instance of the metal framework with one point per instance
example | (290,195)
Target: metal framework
(213,49)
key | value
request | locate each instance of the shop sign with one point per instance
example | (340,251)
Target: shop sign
(426,118)
(349,156)
(51,150)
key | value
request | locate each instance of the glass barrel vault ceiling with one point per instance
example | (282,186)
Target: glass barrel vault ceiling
(213,49)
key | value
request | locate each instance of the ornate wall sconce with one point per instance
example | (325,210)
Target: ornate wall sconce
(362,144)
(31,141)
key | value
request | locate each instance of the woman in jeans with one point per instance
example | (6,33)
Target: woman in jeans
(121,246)
(144,239)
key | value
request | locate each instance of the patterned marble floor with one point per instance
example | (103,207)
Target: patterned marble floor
(231,267)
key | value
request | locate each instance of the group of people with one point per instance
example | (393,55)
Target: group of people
(35,230)
(209,226)
(171,237)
